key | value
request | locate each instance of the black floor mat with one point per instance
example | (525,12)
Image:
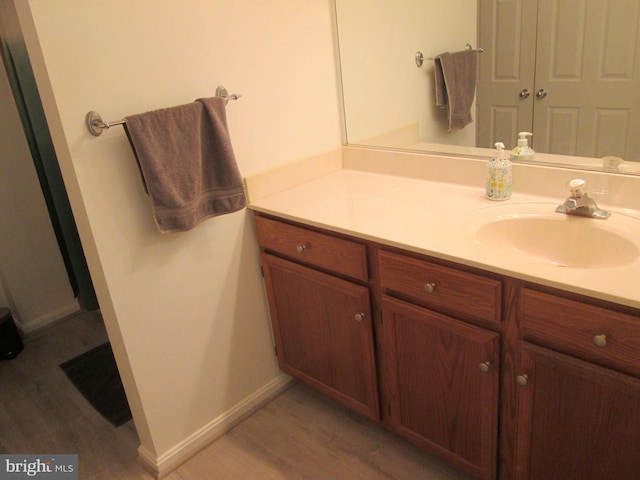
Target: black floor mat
(96,375)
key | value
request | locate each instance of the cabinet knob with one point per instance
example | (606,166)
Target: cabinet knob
(600,340)
(485,366)
(522,380)
(301,248)
(360,317)
(430,287)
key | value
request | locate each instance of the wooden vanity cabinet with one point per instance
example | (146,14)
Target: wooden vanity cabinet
(322,321)
(576,392)
(443,373)
(439,352)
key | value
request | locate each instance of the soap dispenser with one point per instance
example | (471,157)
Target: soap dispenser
(523,151)
(499,175)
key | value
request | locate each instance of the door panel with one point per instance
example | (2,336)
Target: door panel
(505,69)
(587,69)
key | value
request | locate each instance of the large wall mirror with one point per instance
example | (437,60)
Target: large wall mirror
(568,71)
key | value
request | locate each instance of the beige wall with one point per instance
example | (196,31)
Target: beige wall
(33,280)
(185,312)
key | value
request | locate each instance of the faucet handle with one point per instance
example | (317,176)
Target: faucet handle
(578,187)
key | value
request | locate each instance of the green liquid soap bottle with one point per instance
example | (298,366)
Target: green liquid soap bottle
(499,175)
(523,151)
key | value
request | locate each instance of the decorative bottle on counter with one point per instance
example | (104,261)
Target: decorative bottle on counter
(499,175)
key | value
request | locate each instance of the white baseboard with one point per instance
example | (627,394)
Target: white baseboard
(49,318)
(180,453)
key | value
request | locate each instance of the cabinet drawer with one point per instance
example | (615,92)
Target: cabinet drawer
(313,248)
(444,289)
(593,333)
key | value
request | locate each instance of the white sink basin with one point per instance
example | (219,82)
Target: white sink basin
(534,232)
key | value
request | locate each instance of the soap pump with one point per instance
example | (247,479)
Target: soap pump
(523,151)
(499,175)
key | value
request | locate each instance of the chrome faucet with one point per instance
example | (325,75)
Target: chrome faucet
(579,203)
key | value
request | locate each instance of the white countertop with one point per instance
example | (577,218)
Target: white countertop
(436,218)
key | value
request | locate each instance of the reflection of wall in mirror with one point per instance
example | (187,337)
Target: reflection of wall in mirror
(386,96)
(383,91)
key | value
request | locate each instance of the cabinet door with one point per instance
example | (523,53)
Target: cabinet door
(323,332)
(575,420)
(445,385)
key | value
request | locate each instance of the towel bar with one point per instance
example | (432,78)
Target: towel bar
(96,125)
(420,57)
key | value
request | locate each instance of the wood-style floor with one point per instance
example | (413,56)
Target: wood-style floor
(299,435)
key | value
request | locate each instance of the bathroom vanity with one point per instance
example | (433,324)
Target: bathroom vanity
(502,367)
